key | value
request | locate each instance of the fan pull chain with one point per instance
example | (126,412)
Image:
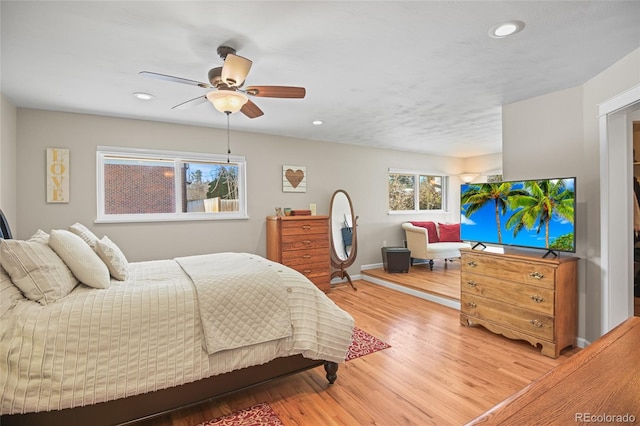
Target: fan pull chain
(228,146)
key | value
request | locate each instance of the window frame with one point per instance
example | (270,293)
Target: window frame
(178,157)
(416,200)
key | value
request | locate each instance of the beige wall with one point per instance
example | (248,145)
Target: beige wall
(8,114)
(362,172)
(558,135)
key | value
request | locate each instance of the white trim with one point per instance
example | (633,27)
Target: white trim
(615,178)
(426,296)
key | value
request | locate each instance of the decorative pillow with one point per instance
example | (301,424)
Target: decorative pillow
(84,263)
(40,237)
(9,293)
(111,254)
(83,232)
(449,232)
(432,233)
(36,270)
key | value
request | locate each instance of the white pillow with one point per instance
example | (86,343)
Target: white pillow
(111,254)
(9,293)
(85,264)
(36,270)
(83,232)
(40,236)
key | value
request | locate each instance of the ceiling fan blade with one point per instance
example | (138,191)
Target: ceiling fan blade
(191,102)
(175,79)
(251,110)
(276,91)
(235,70)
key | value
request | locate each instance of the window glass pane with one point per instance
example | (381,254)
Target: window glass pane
(138,186)
(430,192)
(210,187)
(401,192)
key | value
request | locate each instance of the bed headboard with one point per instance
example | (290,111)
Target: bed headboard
(5,232)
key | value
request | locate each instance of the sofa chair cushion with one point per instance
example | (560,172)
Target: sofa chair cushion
(449,232)
(432,231)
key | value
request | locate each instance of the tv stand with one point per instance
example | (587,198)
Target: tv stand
(478,244)
(521,296)
(555,254)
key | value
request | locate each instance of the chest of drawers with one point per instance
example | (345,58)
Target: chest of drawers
(521,296)
(301,243)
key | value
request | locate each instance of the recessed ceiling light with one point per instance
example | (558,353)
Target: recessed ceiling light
(143,96)
(506,29)
(317,122)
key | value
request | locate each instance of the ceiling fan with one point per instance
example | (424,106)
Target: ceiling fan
(228,95)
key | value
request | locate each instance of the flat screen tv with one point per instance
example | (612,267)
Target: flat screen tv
(537,213)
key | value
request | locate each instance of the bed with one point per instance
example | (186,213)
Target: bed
(160,339)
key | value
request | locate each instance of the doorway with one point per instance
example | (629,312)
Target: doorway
(616,178)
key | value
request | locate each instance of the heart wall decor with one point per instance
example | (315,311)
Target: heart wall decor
(294,178)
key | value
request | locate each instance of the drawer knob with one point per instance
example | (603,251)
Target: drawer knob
(471,304)
(537,299)
(308,256)
(306,227)
(536,323)
(306,242)
(306,271)
(536,275)
(472,264)
(472,283)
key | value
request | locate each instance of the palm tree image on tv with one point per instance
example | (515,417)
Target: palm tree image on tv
(535,213)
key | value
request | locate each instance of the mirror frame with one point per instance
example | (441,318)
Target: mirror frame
(336,262)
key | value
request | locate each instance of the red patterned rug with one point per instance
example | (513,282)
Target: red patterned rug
(362,343)
(257,415)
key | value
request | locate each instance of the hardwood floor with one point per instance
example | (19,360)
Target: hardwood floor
(435,372)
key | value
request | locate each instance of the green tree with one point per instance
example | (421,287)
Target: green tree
(544,200)
(476,196)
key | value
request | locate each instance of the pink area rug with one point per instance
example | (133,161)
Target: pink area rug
(257,415)
(362,343)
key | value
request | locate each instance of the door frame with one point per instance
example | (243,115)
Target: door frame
(616,189)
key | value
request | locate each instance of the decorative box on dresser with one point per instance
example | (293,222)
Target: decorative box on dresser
(521,296)
(301,243)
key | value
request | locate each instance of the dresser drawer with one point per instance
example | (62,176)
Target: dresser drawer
(313,271)
(536,274)
(303,257)
(304,242)
(518,319)
(305,227)
(538,299)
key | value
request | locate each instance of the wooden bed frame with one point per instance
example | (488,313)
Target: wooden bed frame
(153,404)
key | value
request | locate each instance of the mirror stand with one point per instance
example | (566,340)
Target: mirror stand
(344,243)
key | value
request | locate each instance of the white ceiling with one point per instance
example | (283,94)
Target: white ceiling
(420,76)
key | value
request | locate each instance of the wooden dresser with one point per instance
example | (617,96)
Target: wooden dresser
(301,243)
(521,296)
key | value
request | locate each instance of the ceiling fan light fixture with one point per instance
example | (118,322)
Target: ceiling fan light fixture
(227,101)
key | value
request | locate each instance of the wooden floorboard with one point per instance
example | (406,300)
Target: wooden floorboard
(436,371)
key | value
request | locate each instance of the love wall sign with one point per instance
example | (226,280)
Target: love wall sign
(57,175)
(294,179)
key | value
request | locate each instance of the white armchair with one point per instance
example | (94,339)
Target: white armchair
(418,242)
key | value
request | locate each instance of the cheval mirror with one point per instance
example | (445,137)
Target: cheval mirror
(344,244)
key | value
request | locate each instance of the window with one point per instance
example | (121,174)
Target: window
(412,192)
(148,185)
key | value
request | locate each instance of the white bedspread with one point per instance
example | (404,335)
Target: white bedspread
(142,335)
